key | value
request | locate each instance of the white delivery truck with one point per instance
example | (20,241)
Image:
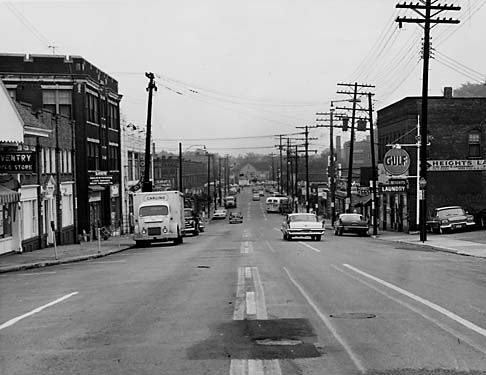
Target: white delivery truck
(158,216)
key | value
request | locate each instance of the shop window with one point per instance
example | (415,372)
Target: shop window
(6,220)
(474,144)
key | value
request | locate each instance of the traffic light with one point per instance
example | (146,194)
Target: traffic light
(361,125)
(345,124)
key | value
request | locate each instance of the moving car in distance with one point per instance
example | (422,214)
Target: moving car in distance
(219,214)
(351,223)
(192,222)
(302,225)
(450,218)
(272,204)
(230,201)
(235,218)
(256,196)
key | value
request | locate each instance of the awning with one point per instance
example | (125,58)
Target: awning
(12,123)
(8,196)
(96,188)
(363,201)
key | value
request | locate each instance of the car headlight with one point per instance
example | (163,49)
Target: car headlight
(144,231)
(444,221)
(164,230)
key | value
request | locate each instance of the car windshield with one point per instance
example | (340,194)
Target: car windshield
(450,212)
(154,210)
(352,217)
(303,217)
(188,213)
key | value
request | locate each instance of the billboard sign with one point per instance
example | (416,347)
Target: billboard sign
(17,162)
(396,161)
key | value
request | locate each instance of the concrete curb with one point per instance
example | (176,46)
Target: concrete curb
(55,262)
(435,247)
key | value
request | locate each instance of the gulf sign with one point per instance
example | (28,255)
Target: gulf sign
(396,161)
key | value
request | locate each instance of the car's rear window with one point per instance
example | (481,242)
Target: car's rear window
(450,212)
(304,217)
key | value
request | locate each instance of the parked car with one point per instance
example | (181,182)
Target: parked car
(302,225)
(220,213)
(191,221)
(351,223)
(450,218)
(235,218)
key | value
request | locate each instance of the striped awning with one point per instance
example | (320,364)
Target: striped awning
(8,196)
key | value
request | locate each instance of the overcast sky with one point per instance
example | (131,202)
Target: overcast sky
(252,68)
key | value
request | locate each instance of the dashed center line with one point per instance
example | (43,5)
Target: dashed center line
(310,247)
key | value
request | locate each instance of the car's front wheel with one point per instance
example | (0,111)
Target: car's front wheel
(318,237)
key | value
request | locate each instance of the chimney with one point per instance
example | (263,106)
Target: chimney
(447,92)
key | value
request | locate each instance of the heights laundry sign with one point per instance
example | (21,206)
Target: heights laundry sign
(456,165)
(17,162)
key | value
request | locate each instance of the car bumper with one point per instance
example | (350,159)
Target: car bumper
(460,225)
(306,232)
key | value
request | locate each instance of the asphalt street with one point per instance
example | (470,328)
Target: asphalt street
(238,299)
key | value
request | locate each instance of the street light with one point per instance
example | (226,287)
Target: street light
(181,188)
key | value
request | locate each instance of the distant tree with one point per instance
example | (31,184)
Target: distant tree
(469,90)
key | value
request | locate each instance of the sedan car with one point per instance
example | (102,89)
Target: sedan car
(302,225)
(219,214)
(235,218)
(256,196)
(450,218)
(351,223)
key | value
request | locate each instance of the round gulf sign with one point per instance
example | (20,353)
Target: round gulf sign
(396,161)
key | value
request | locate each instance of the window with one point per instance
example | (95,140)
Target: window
(30,227)
(92,102)
(93,156)
(474,144)
(113,158)
(57,101)
(130,166)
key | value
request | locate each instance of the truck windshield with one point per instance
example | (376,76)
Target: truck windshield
(154,210)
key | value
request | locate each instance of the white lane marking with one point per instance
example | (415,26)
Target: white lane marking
(109,261)
(28,274)
(466,323)
(261,306)
(327,322)
(250,303)
(255,367)
(39,309)
(449,330)
(238,366)
(270,247)
(310,247)
(277,229)
(239,311)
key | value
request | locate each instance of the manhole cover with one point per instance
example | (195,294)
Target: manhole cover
(203,267)
(353,315)
(278,341)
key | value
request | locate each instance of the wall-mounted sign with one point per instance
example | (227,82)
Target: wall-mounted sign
(394,186)
(17,162)
(100,178)
(456,165)
(396,161)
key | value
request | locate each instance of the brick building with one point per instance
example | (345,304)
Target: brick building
(457,130)
(73,87)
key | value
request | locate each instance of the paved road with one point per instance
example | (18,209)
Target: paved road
(240,300)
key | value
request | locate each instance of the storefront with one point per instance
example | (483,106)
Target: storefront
(9,220)
(394,206)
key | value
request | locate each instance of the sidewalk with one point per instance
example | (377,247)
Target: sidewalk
(65,254)
(446,242)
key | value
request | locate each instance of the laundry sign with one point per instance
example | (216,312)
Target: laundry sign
(17,162)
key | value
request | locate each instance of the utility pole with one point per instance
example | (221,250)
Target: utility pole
(280,180)
(209,185)
(219,179)
(180,168)
(374,201)
(296,172)
(288,166)
(355,99)
(425,22)
(147,184)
